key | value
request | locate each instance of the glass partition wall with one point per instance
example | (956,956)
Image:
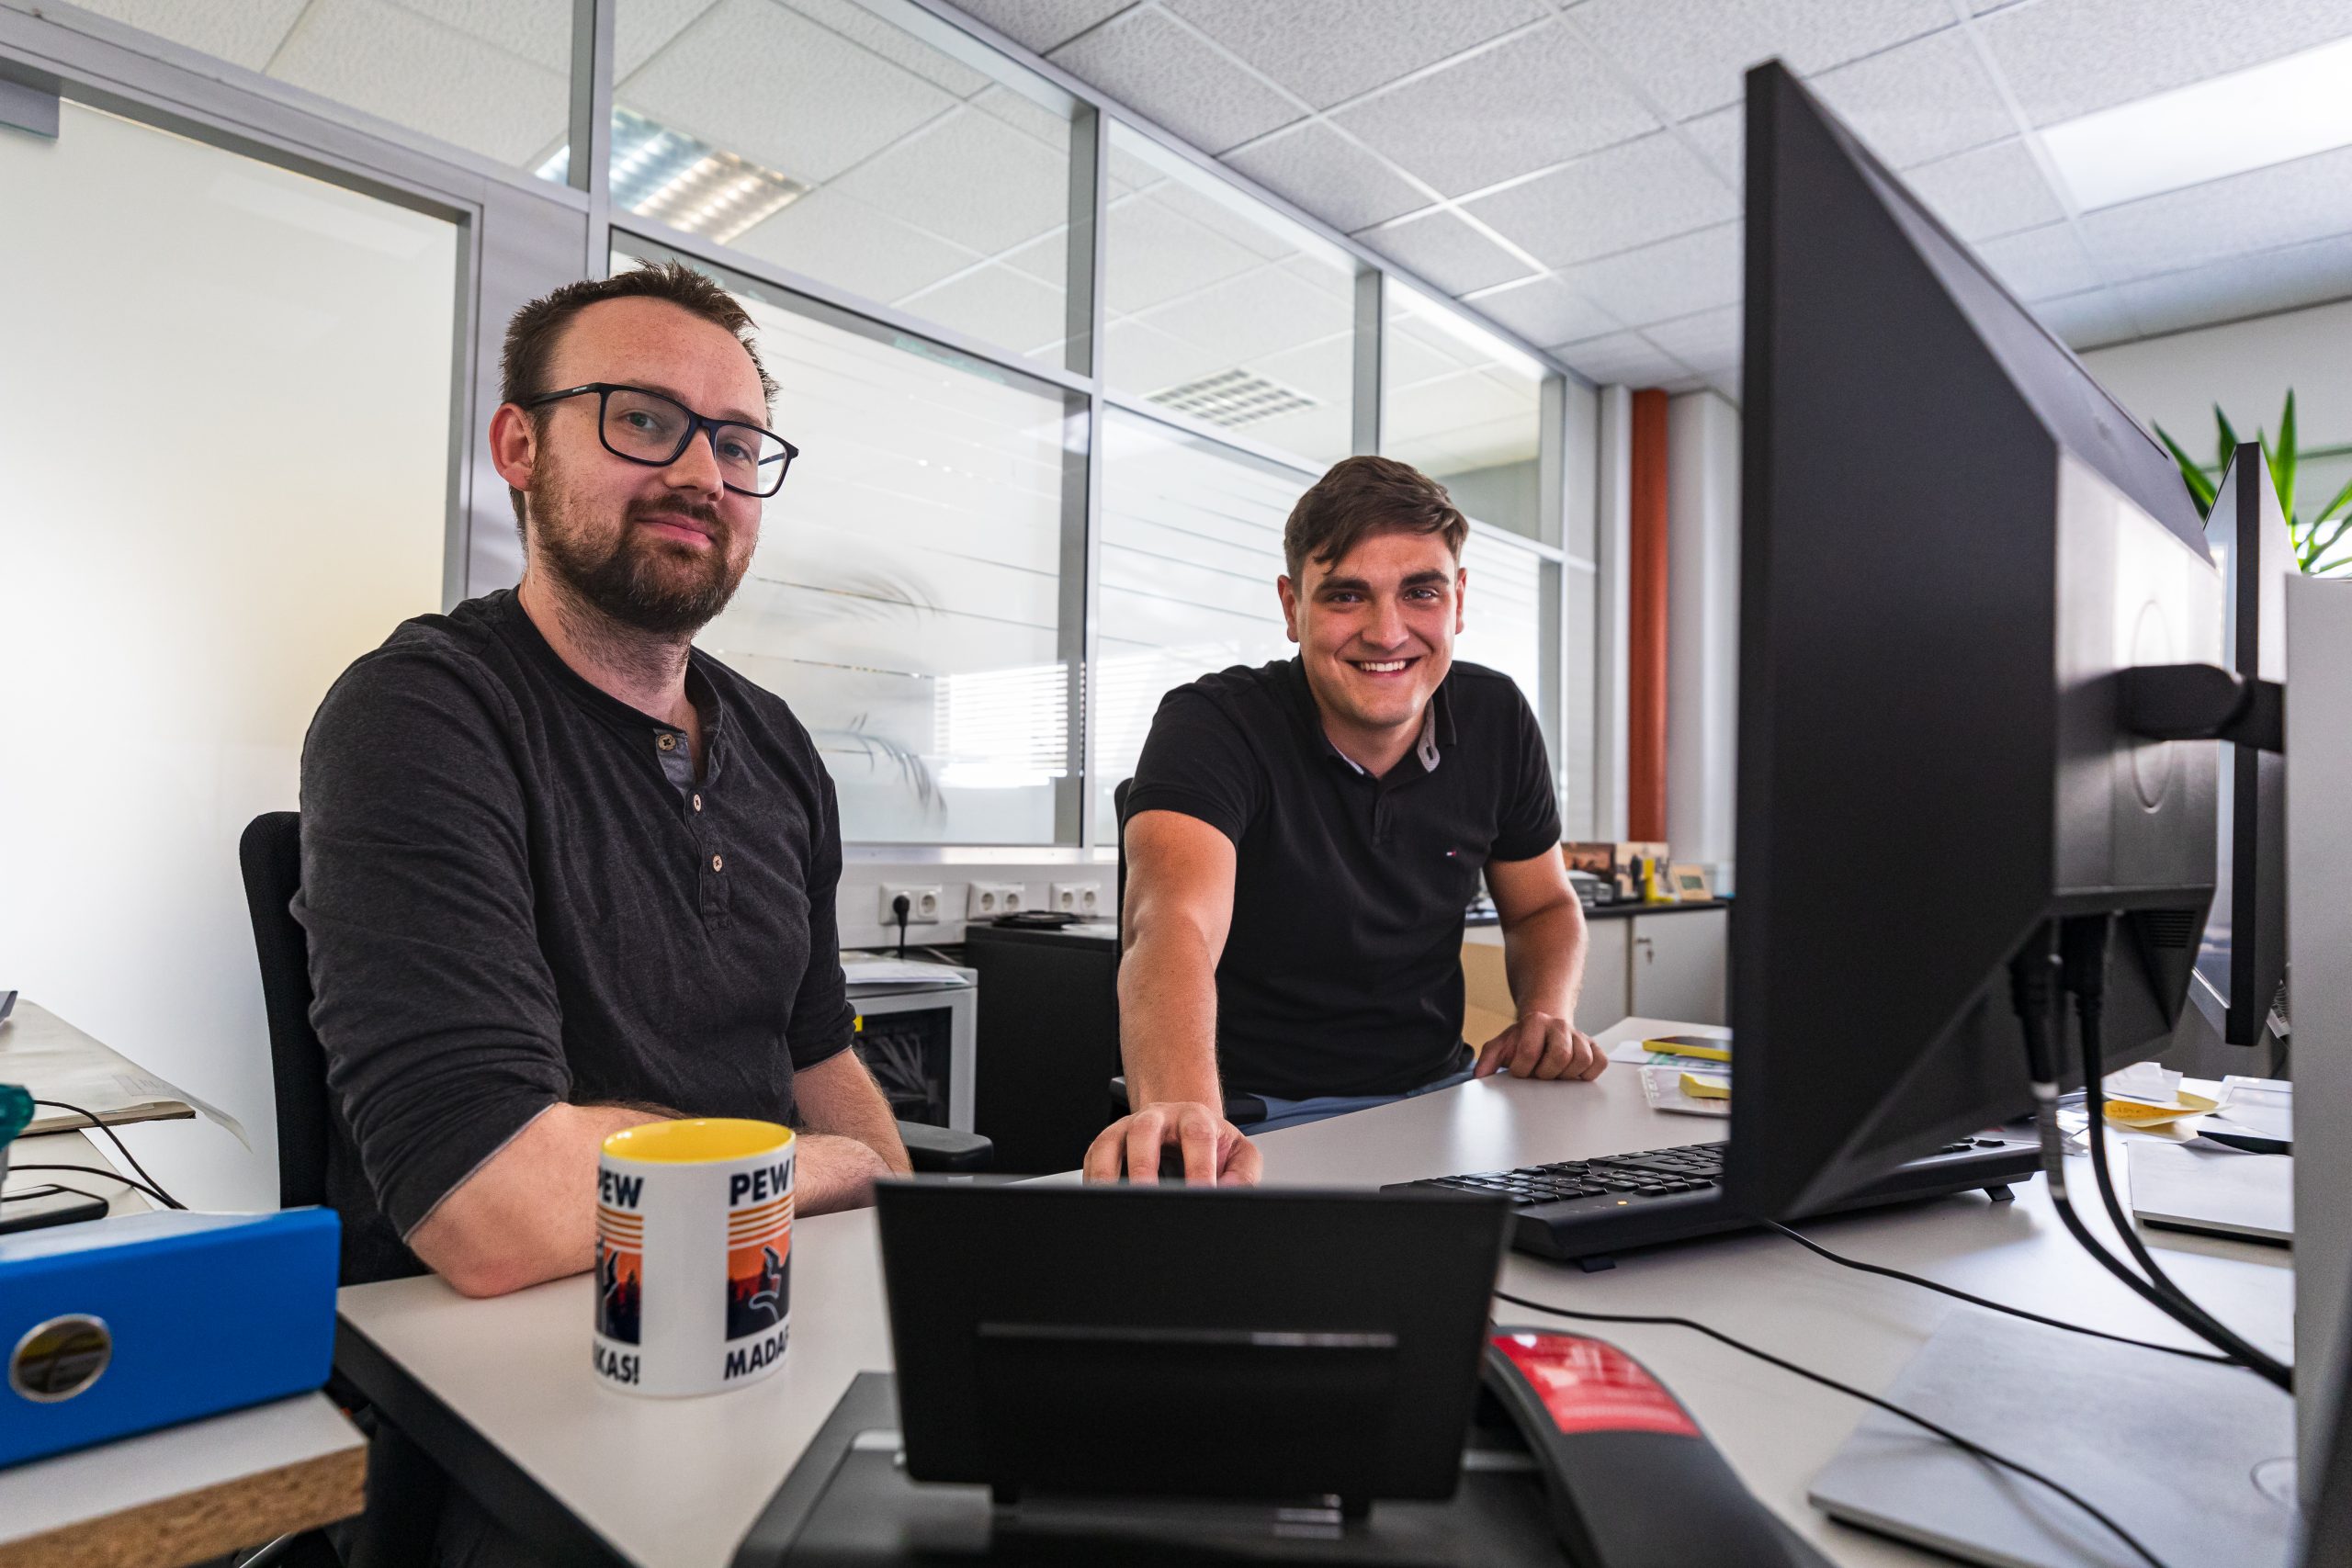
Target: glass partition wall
(1057,381)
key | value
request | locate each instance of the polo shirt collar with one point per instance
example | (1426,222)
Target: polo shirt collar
(701,690)
(1437,736)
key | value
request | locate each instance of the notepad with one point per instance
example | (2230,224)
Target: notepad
(1664,1089)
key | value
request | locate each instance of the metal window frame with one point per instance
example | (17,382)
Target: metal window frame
(522,235)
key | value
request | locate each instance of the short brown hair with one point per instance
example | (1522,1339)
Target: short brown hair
(533,334)
(1363,496)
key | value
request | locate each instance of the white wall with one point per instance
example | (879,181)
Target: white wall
(1703,627)
(2248,367)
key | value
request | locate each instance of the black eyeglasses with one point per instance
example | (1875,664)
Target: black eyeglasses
(648,428)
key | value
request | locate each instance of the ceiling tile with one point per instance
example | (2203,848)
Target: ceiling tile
(2286,204)
(1673,277)
(644,26)
(2282,279)
(413,72)
(1721,137)
(1144,359)
(1329,176)
(1041,24)
(1545,310)
(1032,119)
(2063,58)
(1689,55)
(896,45)
(535,30)
(1158,69)
(754,78)
(828,235)
(1923,100)
(2087,320)
(1448,252)
(1627,358)
(1683,384)
(1988,192)
(1708,342)
(1326,50)
(1538,100)
(1611,201)
(1260,312)
(1727,383)
(2041,264)
(969,178)
(246,35)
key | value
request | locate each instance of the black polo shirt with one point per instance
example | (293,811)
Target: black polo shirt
(517,891)
(1343,972)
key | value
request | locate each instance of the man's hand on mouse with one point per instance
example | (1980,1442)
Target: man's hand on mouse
(1214,1151)
(1541,1046)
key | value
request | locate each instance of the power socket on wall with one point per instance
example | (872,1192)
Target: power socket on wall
(922,903)
(986,900)
(1077,899)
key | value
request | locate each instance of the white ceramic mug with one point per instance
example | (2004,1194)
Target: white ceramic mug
(694,1255)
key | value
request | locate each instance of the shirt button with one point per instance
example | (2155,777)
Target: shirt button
(697,803)
(667,742)
(717,864)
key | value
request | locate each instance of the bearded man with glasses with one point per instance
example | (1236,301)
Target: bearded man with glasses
(562,872)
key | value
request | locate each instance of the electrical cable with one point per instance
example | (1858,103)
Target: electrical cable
(1965,1445)
(2030,993)
(902,907)
(114,1138)
(2083,944)
(155,1193)
(1881,1269)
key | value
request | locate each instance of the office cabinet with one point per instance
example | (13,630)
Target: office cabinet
(1606,997)
(1679,966)
(1048,1041)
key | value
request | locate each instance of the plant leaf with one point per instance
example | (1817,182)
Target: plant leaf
(2228,437)
(2200,488)
(2283,461)
(2329,510)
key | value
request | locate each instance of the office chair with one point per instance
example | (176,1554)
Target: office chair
(1239,1108)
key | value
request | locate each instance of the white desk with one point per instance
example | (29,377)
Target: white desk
(186,1494)
(501,1391)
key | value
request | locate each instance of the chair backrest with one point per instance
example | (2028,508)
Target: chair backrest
(271,855)
(1119,813)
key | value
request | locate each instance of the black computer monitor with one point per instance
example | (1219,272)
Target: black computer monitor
(1952,541)
(2242,962)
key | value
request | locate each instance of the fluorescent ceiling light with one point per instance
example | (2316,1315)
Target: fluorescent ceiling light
(664,173)
(2289,107)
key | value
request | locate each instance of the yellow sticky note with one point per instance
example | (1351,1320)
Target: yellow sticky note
(1698,1088)
(1688,1045)
(2135,1113)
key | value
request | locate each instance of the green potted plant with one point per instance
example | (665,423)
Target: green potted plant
(2315,541)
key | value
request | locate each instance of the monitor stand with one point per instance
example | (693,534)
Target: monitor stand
(2194,1458)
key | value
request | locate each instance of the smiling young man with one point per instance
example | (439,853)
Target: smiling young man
(562,872)
(1303,838)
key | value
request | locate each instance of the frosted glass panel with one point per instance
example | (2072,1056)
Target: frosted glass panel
(1503,623)
(839,139)
(906,596)
(1191,545)
(1219,308)
(226,432)
(1464,407)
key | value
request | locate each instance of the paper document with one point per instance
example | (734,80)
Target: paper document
(56,1061)
(865,969)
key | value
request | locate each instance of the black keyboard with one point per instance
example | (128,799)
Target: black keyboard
(1589,1209)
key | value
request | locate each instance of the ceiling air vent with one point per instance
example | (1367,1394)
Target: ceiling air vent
(1233,397)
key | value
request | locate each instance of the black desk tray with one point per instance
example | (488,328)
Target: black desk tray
(848,1504)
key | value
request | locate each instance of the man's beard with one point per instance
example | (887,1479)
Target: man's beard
(637,579)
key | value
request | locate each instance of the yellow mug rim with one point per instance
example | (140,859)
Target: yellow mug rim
(698,1140)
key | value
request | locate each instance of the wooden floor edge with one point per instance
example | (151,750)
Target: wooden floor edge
(193,1527)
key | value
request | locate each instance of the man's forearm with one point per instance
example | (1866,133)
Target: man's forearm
(529,1213)
(1543,960)
(1167,1018)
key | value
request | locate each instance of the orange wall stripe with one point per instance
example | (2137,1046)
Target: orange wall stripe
(1645,624)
